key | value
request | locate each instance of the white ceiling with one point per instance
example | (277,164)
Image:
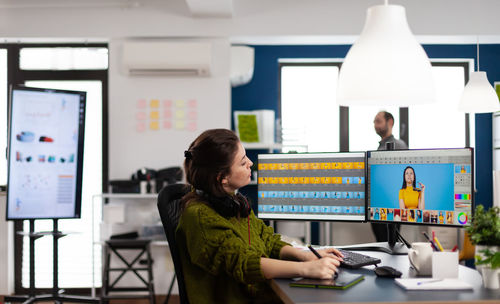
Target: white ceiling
(243,21)
(211,8)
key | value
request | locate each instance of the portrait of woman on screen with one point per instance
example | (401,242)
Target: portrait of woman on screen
(411,197)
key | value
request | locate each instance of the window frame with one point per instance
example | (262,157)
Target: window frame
(15,75)
(344,111)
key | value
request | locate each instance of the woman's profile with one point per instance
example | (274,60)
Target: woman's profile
(411,197)
(228,254)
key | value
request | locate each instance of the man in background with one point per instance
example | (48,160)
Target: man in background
(383,124)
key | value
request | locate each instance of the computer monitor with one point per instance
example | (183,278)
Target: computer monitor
(421,187)
(312,186)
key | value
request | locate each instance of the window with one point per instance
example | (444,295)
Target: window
(71,67)
(75,252)
(310,114)
(63,58)
(308,110)
(441,125)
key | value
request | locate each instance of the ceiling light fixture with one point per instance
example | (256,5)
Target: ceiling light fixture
(386,65)
(479,96)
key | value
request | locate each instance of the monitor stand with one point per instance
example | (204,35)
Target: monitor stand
(392,246)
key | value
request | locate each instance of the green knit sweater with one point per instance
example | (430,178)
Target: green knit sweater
(220,263)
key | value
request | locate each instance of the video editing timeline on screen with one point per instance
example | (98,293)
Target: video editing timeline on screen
(312,186)
(442,190)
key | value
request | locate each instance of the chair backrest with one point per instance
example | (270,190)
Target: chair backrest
(169,207)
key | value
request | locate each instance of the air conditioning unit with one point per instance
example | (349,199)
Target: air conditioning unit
(167,58)
(242,65)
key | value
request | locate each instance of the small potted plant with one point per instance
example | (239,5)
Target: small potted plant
(491,270)
(484,232)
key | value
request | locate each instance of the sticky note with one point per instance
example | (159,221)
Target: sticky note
(192,103)
(154,115)
(141,103)
(140,127)
(167,114)
(180,114)
(155,103)
(167,103)
(180,103)
(140,115)
(154,125)
(192,115)
(167,124)
(179,125)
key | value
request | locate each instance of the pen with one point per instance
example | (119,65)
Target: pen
(430,241)
(438,244)
(319,257)
(455,248)
(314,251)
(429,281)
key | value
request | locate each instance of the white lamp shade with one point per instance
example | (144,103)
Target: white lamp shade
(386,65)
(479,96)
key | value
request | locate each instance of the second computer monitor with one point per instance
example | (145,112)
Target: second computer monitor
(431,187)
(312,186)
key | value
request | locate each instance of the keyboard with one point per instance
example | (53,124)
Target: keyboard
(355,260)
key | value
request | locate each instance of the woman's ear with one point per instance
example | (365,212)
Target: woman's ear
(223,179)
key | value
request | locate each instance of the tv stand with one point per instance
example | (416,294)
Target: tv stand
(56,295)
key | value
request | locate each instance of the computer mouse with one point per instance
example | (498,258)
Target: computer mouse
(387,272)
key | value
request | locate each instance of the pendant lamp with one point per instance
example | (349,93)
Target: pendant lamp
(479,96)
(386,65)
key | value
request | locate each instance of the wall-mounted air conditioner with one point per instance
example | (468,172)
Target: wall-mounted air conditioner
(242,65)
(167,58)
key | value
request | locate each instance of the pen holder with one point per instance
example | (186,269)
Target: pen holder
(445,264)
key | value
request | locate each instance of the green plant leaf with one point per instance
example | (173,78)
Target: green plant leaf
(485,226)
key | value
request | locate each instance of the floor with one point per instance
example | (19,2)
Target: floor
(159,300)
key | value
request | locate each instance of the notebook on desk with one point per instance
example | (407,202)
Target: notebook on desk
(433,284)
(342,281)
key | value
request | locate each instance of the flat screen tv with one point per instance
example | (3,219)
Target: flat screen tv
(45,153)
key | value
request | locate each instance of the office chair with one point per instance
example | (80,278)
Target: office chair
(167,176)
(169,208)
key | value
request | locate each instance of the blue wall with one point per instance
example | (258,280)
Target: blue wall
(262,92)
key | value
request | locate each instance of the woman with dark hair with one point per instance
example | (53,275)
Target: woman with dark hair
(411,197)
(228,254)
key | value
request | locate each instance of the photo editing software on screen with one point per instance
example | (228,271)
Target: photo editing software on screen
(312,186)
(420,186)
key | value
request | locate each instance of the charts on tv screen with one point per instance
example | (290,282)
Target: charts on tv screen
(45,153)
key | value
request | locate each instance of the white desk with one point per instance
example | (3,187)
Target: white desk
(377,290)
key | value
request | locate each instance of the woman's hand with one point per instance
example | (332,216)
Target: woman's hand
(324,268)
(422,186)
(328,252)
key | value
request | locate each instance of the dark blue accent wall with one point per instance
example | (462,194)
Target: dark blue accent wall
(262,92)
